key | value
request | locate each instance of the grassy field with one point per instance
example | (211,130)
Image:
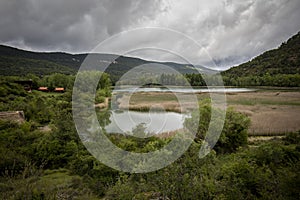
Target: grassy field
(264,98)
(272,112)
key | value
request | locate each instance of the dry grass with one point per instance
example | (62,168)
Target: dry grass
(156,101)
(271,113)
(271,120)
(264,98)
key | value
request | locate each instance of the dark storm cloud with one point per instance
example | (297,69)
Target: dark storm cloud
(72,25)
(41,24)
(231,31)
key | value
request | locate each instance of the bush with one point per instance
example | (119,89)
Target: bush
(292,138)
(234,133)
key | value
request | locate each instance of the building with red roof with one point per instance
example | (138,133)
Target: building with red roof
(43,89)
(59,90)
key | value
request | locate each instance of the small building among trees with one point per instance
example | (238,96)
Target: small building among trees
(59,90)
(43,89)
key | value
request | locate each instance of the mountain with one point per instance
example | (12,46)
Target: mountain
(283,60)
(15,61)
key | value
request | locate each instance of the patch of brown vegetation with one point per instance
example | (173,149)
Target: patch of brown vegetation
(103,105)
(264,97)
(17,116)
(154,101)
(271,119)
(271,113)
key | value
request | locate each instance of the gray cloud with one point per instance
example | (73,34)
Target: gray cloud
(231,31)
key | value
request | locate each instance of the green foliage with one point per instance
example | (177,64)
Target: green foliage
(234,133)
(23,66)
(57,80)
(240,175)
(86,80)
(25,148)
(50,184)
(293,138)
(136,144)
(9,89)
(37,164)
(278,80)
(195,79)
(19,62)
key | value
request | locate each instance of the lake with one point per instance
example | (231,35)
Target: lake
(155,122)
(182,90)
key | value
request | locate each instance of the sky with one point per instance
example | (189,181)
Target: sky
(227,32)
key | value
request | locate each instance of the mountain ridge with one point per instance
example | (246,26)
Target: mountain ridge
(14,61)
(282,60)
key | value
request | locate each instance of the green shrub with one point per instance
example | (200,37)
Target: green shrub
(233,135)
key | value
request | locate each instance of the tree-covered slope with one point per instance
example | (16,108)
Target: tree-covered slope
(22,66)
(15,61)
(60,58)
(283,60)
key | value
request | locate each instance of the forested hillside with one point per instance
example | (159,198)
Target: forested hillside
(278,67)
(284,60)
(14,61)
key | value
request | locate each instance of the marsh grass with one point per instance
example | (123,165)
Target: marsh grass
(252,102)
(152,97)
(265,98)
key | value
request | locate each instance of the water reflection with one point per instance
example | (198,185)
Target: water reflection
(154,122)
(181,90)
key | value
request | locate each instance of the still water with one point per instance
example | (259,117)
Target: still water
(154,122)
(182,90)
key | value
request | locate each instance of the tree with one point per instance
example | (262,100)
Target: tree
(234,133)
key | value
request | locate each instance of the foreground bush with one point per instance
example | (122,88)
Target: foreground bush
(234,133)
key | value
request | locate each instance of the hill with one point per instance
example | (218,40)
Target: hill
(15,61)
(283,60)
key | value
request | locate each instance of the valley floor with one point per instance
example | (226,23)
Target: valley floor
(271,112)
